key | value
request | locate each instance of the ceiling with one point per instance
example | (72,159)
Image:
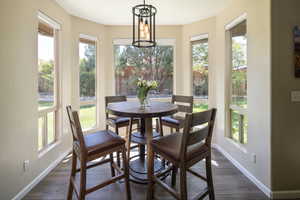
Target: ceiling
(118,12)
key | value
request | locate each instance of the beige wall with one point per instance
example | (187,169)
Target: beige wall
(18,78)
(259,86)
(285,114)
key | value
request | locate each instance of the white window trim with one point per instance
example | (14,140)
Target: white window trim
(53,23)
(88,37)
(199,37)
(192,40)
(236,21)
(56,107)
(160,42)
(90,102)
(229,105)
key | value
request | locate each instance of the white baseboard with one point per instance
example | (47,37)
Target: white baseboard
(250,176)
(40,177)
(289,194)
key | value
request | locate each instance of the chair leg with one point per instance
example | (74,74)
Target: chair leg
(173,178)
(150,192)
(118,153)
(82,179)
(128,138)
(111,164)
(209,178)
(126,172)
(73,172)
(183,185)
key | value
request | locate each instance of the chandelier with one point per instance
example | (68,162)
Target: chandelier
(144,26)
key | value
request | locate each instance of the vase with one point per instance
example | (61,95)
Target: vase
(142,96)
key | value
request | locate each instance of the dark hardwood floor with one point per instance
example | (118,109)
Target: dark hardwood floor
(229,182)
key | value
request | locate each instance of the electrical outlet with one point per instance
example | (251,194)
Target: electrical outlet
(26,165)
(253,158)
(295,95)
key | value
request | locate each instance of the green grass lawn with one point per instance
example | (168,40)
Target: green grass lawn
(87,116)
(199,107)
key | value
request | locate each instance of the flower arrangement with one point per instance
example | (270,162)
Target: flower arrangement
(143,87)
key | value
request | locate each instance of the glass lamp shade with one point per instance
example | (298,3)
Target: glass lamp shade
(144,26)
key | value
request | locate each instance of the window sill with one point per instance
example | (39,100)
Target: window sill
(48,148)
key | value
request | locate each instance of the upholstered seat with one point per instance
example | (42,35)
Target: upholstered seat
(113,121)
(170,146)
(102,141)
(175,120)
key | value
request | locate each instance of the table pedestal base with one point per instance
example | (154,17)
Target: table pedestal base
(138,169)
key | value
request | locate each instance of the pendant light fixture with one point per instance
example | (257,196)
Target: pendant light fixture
(144,25)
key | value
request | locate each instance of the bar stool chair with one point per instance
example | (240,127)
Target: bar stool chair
(184,150)
(115,121)
(92,146)
(185,105)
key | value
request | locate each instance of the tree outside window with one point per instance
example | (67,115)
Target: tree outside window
(132,63)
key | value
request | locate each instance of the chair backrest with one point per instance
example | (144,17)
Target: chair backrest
(184,103)
(75,126)
(198,127)
(113,99)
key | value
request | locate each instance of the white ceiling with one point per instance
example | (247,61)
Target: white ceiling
(119,12)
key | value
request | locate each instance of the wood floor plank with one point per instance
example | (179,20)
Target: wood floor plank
(230,184)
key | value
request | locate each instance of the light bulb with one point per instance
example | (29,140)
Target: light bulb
(146,27)
(142,34)
(142,25)
(148,36)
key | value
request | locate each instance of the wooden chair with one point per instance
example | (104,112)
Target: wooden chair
(185,105)
(115,121)
(89,147)
(184,150)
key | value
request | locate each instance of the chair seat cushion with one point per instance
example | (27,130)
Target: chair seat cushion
(112,121)
(175,120)
(170,146)
(102,141)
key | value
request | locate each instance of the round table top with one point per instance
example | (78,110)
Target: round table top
(133,109)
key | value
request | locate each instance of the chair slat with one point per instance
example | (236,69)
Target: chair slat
(197,136)
(201,118)
(183,108)
(183,99)
(114,99)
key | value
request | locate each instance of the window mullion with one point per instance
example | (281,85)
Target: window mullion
(45,134)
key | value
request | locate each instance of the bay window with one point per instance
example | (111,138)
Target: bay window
(200,74)
(87,82)
(238,82)
(48,92)
(132,63)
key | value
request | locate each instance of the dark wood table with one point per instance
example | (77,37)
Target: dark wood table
(133,110)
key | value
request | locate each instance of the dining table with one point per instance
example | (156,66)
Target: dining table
(140,167)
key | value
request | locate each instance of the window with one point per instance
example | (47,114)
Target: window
(200,74)
(155,63)
(47,84)
(87,83)
(238,89)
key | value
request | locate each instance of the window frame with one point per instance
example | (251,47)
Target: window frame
(242,112)
(159,42)
(198,39)
(94,40)
(55,108)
